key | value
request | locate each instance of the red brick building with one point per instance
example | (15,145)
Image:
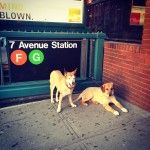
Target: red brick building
(128,66)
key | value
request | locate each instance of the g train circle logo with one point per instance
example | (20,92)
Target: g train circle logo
(19,57)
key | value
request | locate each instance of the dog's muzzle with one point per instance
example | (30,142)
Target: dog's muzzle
(70,86)
(73,84)
(111,92)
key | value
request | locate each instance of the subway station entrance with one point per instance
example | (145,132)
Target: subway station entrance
(21,72)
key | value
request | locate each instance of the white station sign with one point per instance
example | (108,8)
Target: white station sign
(59,11)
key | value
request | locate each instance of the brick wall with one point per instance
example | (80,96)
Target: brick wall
(128,66)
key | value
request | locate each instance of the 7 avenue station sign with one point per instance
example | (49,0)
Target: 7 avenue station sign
(38,56)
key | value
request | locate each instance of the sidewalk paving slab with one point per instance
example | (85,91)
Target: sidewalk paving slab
(37,126)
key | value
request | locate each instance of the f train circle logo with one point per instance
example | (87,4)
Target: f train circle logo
(19,57)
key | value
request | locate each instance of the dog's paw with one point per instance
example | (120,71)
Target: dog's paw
(85,104)
(73,105)
(57,100)
(124,110)
(52,101)
(58,110)
(116,113)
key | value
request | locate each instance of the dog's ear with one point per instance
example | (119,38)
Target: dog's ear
(111,84)
(103,88)
(112,92)
(75,71)
(112,89)
(65,72)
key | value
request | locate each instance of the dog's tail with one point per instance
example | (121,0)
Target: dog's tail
(78,98)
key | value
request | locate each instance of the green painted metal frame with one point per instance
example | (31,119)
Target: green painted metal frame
(98,57)
(42,87)
(51,35)
(83,64)
(1,67)
(24,89)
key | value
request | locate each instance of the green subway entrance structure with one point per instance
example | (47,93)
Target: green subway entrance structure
(58,50)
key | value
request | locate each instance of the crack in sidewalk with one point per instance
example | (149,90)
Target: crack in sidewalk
(71,130)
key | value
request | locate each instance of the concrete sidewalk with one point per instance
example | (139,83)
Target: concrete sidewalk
(37,126)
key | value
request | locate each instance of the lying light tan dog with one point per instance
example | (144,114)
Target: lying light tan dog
(64,86)
(101,95)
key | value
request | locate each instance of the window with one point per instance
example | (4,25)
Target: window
(137,12)
(139,2)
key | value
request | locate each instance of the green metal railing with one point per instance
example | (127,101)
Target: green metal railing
(30,88)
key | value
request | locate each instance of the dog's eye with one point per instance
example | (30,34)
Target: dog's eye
(111,89)
(106,89)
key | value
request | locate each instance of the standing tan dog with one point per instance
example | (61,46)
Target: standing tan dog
(64,86)
(103,95)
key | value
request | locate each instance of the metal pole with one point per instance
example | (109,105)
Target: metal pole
(98,56)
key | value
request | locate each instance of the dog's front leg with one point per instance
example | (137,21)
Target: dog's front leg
(57,97)
(51,93)
(71,102)
(109,108)
(59,103)
(113,99)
